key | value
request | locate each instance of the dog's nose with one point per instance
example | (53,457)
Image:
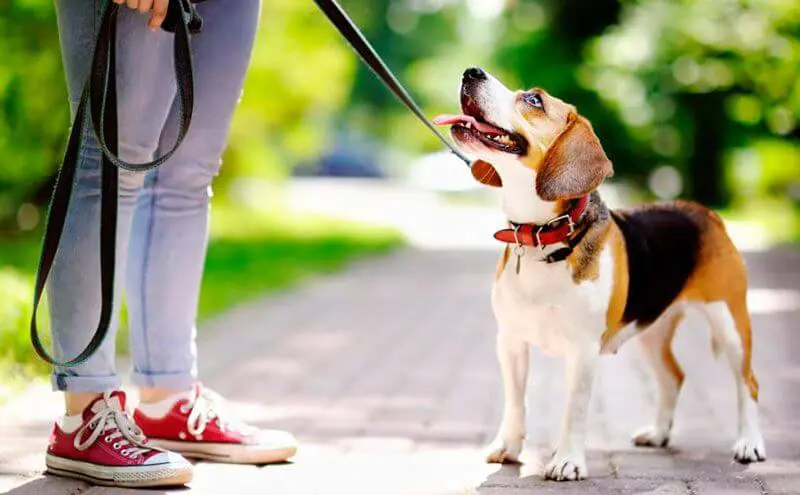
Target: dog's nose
(475,73)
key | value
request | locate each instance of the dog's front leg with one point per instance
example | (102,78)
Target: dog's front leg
(569,460)
(512,352)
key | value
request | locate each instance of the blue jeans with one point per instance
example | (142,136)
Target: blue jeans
(163,214)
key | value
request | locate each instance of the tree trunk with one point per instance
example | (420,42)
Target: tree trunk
(705,165)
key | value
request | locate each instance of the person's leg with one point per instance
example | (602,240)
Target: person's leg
(146,89)
(168,253)
(97,439)
(170,226)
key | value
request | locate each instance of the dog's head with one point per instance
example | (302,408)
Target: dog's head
(518,135)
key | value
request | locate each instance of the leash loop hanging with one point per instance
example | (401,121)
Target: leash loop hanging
(98,104)
(347,28)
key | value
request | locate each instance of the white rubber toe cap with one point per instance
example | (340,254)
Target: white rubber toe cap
(171,458)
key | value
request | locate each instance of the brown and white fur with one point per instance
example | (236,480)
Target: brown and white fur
(581,307)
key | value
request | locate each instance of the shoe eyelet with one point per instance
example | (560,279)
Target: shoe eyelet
(117,445)
(108,439)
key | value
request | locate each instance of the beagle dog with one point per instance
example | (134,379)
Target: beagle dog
(579,279)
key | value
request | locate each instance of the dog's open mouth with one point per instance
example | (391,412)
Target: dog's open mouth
(488,134)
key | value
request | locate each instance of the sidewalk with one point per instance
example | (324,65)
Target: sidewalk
(387,375)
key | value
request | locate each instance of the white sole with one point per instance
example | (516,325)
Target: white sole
(229,453)
(126,477)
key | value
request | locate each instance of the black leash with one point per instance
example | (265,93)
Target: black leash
(356,39)
(100,95)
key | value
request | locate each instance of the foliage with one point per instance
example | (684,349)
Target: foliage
(662,48)
(34,114)
(690,79)
(688,86)
(300,76)
(15,313)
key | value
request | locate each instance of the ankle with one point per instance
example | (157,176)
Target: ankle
(157,403)
(153,395)
(76,402)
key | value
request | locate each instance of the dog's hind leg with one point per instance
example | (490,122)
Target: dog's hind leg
(656,344)
(513,356)
(731,326)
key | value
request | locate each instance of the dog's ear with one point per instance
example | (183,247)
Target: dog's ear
(485,173)
(574,165)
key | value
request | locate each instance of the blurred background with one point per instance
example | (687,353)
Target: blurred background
(691,98)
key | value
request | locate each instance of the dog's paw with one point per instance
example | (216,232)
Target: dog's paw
(651,437)
(750,449)
(566,468)
(504,451)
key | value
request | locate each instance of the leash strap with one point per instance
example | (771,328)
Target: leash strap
(100,96)
(181,17)
(339,18)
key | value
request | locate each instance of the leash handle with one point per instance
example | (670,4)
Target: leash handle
(181,18)
(99,102)
(339,18)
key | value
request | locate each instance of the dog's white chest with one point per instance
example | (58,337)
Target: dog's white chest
(545,307)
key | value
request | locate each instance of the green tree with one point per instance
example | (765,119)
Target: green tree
(692,78)
(300,77)
(34,113)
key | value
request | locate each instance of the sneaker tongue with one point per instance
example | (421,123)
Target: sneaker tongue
(116,400)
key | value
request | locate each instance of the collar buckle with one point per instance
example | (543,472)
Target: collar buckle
(566,217)
(519,248)
(550,222)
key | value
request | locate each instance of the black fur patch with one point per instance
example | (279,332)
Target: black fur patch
(662,242)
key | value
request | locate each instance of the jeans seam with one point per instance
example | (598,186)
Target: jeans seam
(146,270)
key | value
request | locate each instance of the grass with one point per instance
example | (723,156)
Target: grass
(262,252)
(251,253)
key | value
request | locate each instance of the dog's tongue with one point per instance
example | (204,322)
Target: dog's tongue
(463,119)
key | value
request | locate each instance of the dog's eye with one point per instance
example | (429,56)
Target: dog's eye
(534,100)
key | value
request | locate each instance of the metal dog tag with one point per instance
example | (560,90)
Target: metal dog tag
(519,250)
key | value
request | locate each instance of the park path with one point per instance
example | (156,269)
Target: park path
(387,375)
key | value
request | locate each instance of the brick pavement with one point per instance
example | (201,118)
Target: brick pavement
(387,375)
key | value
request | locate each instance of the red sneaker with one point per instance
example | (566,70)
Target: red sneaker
(109,449)
(200,428)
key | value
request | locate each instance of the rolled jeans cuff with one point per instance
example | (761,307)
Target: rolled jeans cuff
(65,382)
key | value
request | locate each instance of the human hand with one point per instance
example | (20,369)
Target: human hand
(157,7)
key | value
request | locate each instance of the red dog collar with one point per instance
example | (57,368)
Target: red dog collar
(555,231)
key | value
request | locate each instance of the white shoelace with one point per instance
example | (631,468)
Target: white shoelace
(206,407)
(118,427)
